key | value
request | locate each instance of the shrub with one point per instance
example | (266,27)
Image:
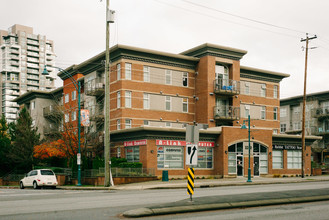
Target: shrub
(115,162)
(130,165)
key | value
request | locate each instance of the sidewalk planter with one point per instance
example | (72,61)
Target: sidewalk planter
(61,179)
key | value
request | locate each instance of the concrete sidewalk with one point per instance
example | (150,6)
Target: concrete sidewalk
(200,183)
(232,201)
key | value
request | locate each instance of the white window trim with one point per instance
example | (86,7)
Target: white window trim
(168,74)
(118,124)
(128,122)
(67,98)
(263,110)
(185,76)
(118,71)
(128,67)
(128,95)
(168,100)
(74,95)
(185,103)
(118,99)
(146,74)
(146,101)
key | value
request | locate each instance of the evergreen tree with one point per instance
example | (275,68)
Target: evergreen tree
(4,147)
(25,137)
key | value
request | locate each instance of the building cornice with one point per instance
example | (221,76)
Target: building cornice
(260,74)
(208,49)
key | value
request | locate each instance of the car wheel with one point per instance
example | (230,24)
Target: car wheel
(35,185)
(21,185)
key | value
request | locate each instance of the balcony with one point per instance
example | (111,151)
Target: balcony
(95,87)
(95,137)
(320,113)
(50,130)
(52,112)
(228,113)
(96,113)
(226,87)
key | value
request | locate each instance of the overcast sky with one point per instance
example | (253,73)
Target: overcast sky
(77,28)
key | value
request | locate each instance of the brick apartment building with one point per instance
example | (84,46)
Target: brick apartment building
(316,121)
(153,95)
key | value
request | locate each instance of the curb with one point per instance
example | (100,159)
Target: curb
(142,212)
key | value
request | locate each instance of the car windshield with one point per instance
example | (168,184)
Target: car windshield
(47,172)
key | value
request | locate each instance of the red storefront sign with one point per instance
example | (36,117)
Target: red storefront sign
(134,143)
(182,143)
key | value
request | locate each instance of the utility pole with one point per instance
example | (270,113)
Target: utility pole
(307,39)
(107,152)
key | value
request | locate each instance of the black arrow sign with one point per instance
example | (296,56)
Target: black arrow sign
(194,149)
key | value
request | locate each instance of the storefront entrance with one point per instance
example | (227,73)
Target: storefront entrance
(256,166)
(239,165)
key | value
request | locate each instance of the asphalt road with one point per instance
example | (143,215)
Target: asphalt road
(70,204)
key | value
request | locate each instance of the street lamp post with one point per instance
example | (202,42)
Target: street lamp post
(77,87)
(244,127)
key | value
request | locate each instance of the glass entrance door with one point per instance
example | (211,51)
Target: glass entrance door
(239,165)
(256,166)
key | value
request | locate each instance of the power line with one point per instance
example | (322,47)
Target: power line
(244,18)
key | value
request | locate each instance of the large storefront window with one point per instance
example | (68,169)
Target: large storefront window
(205,158)
(170,157)
(132,154)
(294,159)
(277,158)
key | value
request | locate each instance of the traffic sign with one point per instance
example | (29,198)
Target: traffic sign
(190,182)
(191,154)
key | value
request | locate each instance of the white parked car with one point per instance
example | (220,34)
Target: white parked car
(38,179)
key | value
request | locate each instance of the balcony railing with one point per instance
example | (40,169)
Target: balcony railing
(50,129)
(95,87)
(96,112)
(226,113)
(52,112)
(320,112)
(226,87)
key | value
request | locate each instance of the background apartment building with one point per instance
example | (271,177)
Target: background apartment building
(153,95)
(23,56)
(316,120)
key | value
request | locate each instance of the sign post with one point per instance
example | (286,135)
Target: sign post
(190,182)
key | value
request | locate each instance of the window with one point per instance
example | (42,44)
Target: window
(128,71)
(185,104)
(74,116)
(168,77)
(118,100)
(296,109)
(132,154)
(170,157)
(74,95)
(118,71)
(168,103)
(275,131)
(247,110)
(146,122)
(32,105)
(146,74)
(297,126)
(294,159)
(246,90)
(128,123)
(275,113)
(277,158)
(205,158)
(283,112)
(67,98)
(263,112)
(168,124)
(263,90)
(275,92)
(118,124)
(146,101)
(128,99)
(185,79)
(283,128)
(66,117)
